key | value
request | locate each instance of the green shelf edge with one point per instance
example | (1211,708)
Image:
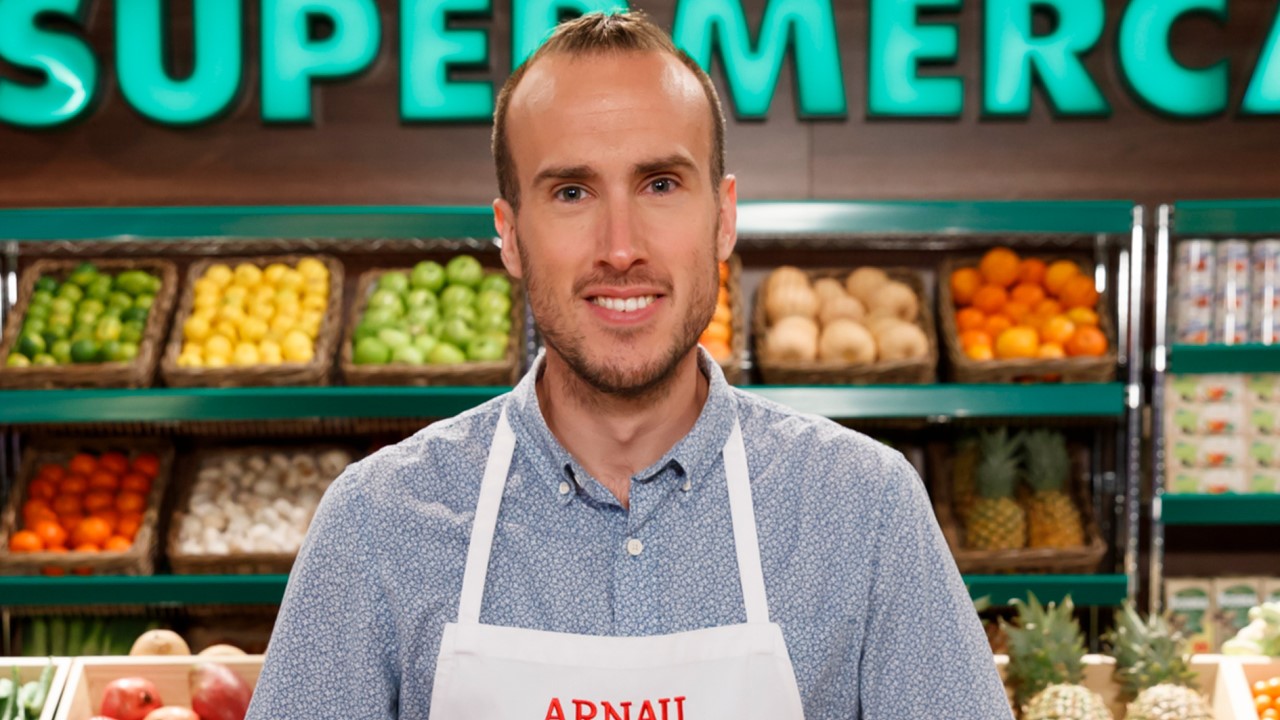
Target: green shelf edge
(1226,217)
(1245,509)
(476,221)
(1085,590)
(24,407)
(1207,359)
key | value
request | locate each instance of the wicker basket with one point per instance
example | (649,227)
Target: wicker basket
(1083,559)
(134,374)
(314,372)
(137,560)
(732,366)
(1070,369)
(235,563)
(907,372)
(500,372)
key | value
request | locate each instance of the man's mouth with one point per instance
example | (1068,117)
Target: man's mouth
(624,305)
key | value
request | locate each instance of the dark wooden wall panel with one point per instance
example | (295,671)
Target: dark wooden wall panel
(358,151)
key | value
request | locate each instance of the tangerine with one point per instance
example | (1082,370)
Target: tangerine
(110,516)
(1087,341)
(1048,306)
(1017,312)
(147,464)
(70,521)
(98,500)
(1031,271)
(117,544)
(135,482)
(128,502)
(114,462)
(980,352)
(1058,329)
(33,506)
(128,525)
(73,485)
(25,541)
(1027,294)
(52,471)
(990,299)
(970,338)
(50,533)
(1083,316)
(722,297)
(970,318)
(104,480)
(964,285)
(42,489)
(86,547)
(723,269)
(67,505)
(997,324)
(1051,351)
(91,531)
(83,463)
(1017,342)
(1000,267)
(37,514)
(1079,292)
(1058,274)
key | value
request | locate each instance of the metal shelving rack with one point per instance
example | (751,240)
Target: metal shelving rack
(1213,220)
(1111,232)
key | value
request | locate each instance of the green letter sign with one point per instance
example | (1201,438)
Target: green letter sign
(69,67)
(427,48)
(140,61)
(1155,74)
(1013,54)
(898,44)
(291,58)
(753,74)
(1263,95)
(533,20)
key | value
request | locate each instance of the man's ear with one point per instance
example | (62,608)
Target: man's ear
(504,222)
(728,236)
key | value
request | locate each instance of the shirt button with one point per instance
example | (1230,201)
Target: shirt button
(634,546)
(687,484)
(564,487)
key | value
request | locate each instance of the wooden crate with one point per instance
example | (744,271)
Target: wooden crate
(1218,674)
(30,668)
(1237,683)
(89,676)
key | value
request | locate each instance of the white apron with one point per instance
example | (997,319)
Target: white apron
(734,672)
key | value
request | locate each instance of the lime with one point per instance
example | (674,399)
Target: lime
(31,344)
(62,306)
(110,351)
(40,298)
(97,307)
(131,333)
(61,351)
(17,360)
(133,282)
(144,301)
(46,284)
(44,360)
(37,312)
(71,292)
(83,275)
(55,333)
(134,315)
(371,351)
(108,328)
(153,284)
(86,317)
(34,325)
(121,300)
(65,321)
(81,333)
(128,351)
(84,351)
(364,330)
(100,288)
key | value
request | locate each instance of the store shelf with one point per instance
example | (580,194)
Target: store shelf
(935,218)
(1220,509)
(269,589)
(22,407)
(1202,359)
(1226,217)
(1085,590)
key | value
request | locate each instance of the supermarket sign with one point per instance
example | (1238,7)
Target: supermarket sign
(66,73)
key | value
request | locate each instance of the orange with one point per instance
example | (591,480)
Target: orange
(98,500)
(117,544)
(37,515)
(67,505)
(110,516)
(970,338)
(83,463)
(1017,342)
(1031,271)
(70,521)
(1058,329)
(970,319)
(91,530)
(1259,687)
(1027,294)
(1270,714)
(997,324)
(723,269)
(1051,351)
(1078,292)
(1017,312)
(127,502)
(128,525)
(718,349)
(87,547)
(42,489)
(147,464)
(136,482)
(980,352)
(33,507)
(113,462)
(722,315)
(104,480)
(715,332)
(1000,267)
(964,284)
(1047,307)
(73,485)
(1262,702)
(990,299)
(25,541)
(1083,316)
(1058,274)
(50,533)
(1087,341)
(722,297)
(52,471)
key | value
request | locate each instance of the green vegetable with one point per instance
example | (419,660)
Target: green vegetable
(93,639)
(75,637)
(39,636)
(11,705)
(6,689)
(57,636)
(34,703)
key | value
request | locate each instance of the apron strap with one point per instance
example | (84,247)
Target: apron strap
(486,520)
(745,540)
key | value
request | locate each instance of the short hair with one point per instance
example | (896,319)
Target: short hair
(592,34)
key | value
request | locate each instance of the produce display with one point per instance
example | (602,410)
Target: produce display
(256,502)
(1222,433)
(717,338)
(1046,652)
(1234,609)
(1266,698)
(865,317)
(92,503)
(1261,636)
(1226,292)
(249,316)
(1153,668)
(434,314)
(1010,308)
(25,701)
(90,317)
(81,636)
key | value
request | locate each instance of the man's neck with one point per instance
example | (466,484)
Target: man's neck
(612,437)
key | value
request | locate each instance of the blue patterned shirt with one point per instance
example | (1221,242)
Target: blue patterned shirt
(877,621)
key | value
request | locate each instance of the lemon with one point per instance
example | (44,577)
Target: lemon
(290,280)
(204,286)
(206,300)
(220,274)
(215,361)
(271,274)
(233,314)
(235,295)
(246,353)
(262,311)
(282,324)
(196,328)
(310,322)
(316,286)
(253,329)
(297,347)
(217,346)
(263,294)
(270,353)
(247,275)
(315,302)
(209,314)
(190,359)
(311,267)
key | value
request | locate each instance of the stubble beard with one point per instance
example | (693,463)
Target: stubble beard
(609,378)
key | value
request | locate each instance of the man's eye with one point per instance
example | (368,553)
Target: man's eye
(663,185)
(571,193)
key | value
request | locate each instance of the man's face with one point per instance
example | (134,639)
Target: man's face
(620,227)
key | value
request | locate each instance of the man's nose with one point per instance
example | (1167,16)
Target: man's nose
(622,241)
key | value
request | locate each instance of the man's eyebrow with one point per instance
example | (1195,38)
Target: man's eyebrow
(670,162)
(565,172)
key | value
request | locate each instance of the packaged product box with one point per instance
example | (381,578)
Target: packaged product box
(1209,480)
(1263,480)
(1209,452)
(1207,388)
(1264,420)
(1264,453)
(1234,597)
(1191,606)
(1271,590)
(1208,419)
(1263,388)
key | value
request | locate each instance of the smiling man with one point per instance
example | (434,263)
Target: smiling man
(624,535)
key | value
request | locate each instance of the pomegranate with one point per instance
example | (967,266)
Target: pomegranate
(217,693)
(130,699)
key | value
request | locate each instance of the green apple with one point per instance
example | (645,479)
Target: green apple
(490,301)
(455,295)
(425,343)
(456,331)
(371,351)
(386,300)
(409,355)
(395,281)
(427,275)
(464,270)
(379,317)
(364,330)
(420,298)
(394,338)
(487,347)
(466,312)
(496,282)
(494,323)
(446,354)
(421,320)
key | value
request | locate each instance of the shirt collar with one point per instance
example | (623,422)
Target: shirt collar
(694,455)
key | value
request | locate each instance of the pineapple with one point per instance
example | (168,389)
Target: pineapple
(1052,519)
(962,479)
(996,521)
(1152,667)
(1046,651)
